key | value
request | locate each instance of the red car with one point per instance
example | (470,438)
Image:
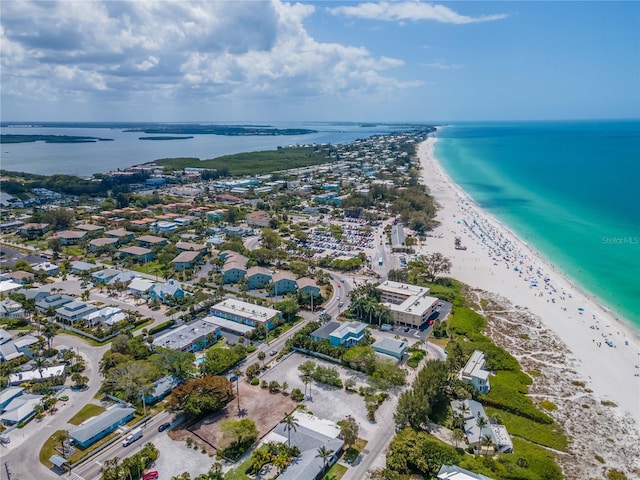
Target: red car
(153,475)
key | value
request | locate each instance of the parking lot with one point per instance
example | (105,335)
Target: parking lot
(326,402)
(355,237)
(10,256)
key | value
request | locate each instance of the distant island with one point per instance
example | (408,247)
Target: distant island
(165,138)
(228,130)
(12,138)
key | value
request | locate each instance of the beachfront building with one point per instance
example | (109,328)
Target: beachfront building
(98,427)
(245,313)
(471,411)
(190,337)
(454,472)
(391,347)
(410,305)
(474,373)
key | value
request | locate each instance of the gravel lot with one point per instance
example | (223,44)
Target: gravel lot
(327,402)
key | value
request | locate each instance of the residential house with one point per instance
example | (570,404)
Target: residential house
(215,214)
(139,254)
(151,241)
(121,234)
(11,309)
(474,373)
(323,332)
(161,388)
(7,286)
(78,267)
(122,279)
(99,245)
(139,287)
(98,427)
(283,282)
(20,277)
(41,374)
(91,229)
(245,313)
(50,269)
(453,472)
(391,346)
(190,337)
(191,247)
(471,411)
(185,261)
(259,218)
(308,286)
(11,348)
(309,436)
(9,394)
(163,227)
(257,277)
(74,311)
(52,301)
(20,409)
(233,272)
(33,230)
(102,277)
(70,237)
(166,292)
(108,316)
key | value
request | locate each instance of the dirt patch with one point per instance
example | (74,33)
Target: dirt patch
(257,404)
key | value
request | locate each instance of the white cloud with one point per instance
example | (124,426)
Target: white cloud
(180,51)
(442,66)
(400,11)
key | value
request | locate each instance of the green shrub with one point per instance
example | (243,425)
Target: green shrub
(297,395)
(548,405)
(161,327)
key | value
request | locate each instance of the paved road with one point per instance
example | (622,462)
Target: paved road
(374,454)
(21,454)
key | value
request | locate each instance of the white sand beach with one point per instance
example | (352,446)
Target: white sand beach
(603,351)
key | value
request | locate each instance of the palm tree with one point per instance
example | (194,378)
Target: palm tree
(290,423)
(482,424)
(486,441)
(325,454)
(49,331)
(458,436)
(61,436)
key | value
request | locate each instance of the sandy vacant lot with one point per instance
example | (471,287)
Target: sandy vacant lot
(265,408)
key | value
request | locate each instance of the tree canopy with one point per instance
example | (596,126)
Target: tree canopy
(201,396)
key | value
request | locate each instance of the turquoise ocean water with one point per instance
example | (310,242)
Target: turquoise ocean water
(571,190)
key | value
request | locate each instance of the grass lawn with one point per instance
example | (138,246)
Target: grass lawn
(88,411)
(336,472)
(47,449)
(352,452)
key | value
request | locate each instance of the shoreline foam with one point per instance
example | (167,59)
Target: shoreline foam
(610,370)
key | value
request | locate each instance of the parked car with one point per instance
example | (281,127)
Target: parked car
(152,475)
(273,352)
(164,426)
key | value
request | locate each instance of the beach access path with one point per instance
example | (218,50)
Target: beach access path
(606,350)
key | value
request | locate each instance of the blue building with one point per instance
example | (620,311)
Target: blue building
(96,428)
(284,282)
(347,334)
(258,277)
(166,292)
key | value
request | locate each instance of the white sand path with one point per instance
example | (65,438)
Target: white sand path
(489,263)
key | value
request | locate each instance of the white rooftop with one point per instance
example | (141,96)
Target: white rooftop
(403,288)
(228,324)
(246,310)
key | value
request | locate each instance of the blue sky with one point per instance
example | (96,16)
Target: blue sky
(276,60)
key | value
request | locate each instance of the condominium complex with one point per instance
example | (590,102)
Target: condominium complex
(410,305)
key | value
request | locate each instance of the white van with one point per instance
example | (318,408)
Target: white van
(135,434)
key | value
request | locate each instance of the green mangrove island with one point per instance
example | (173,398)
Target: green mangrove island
(14,138)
